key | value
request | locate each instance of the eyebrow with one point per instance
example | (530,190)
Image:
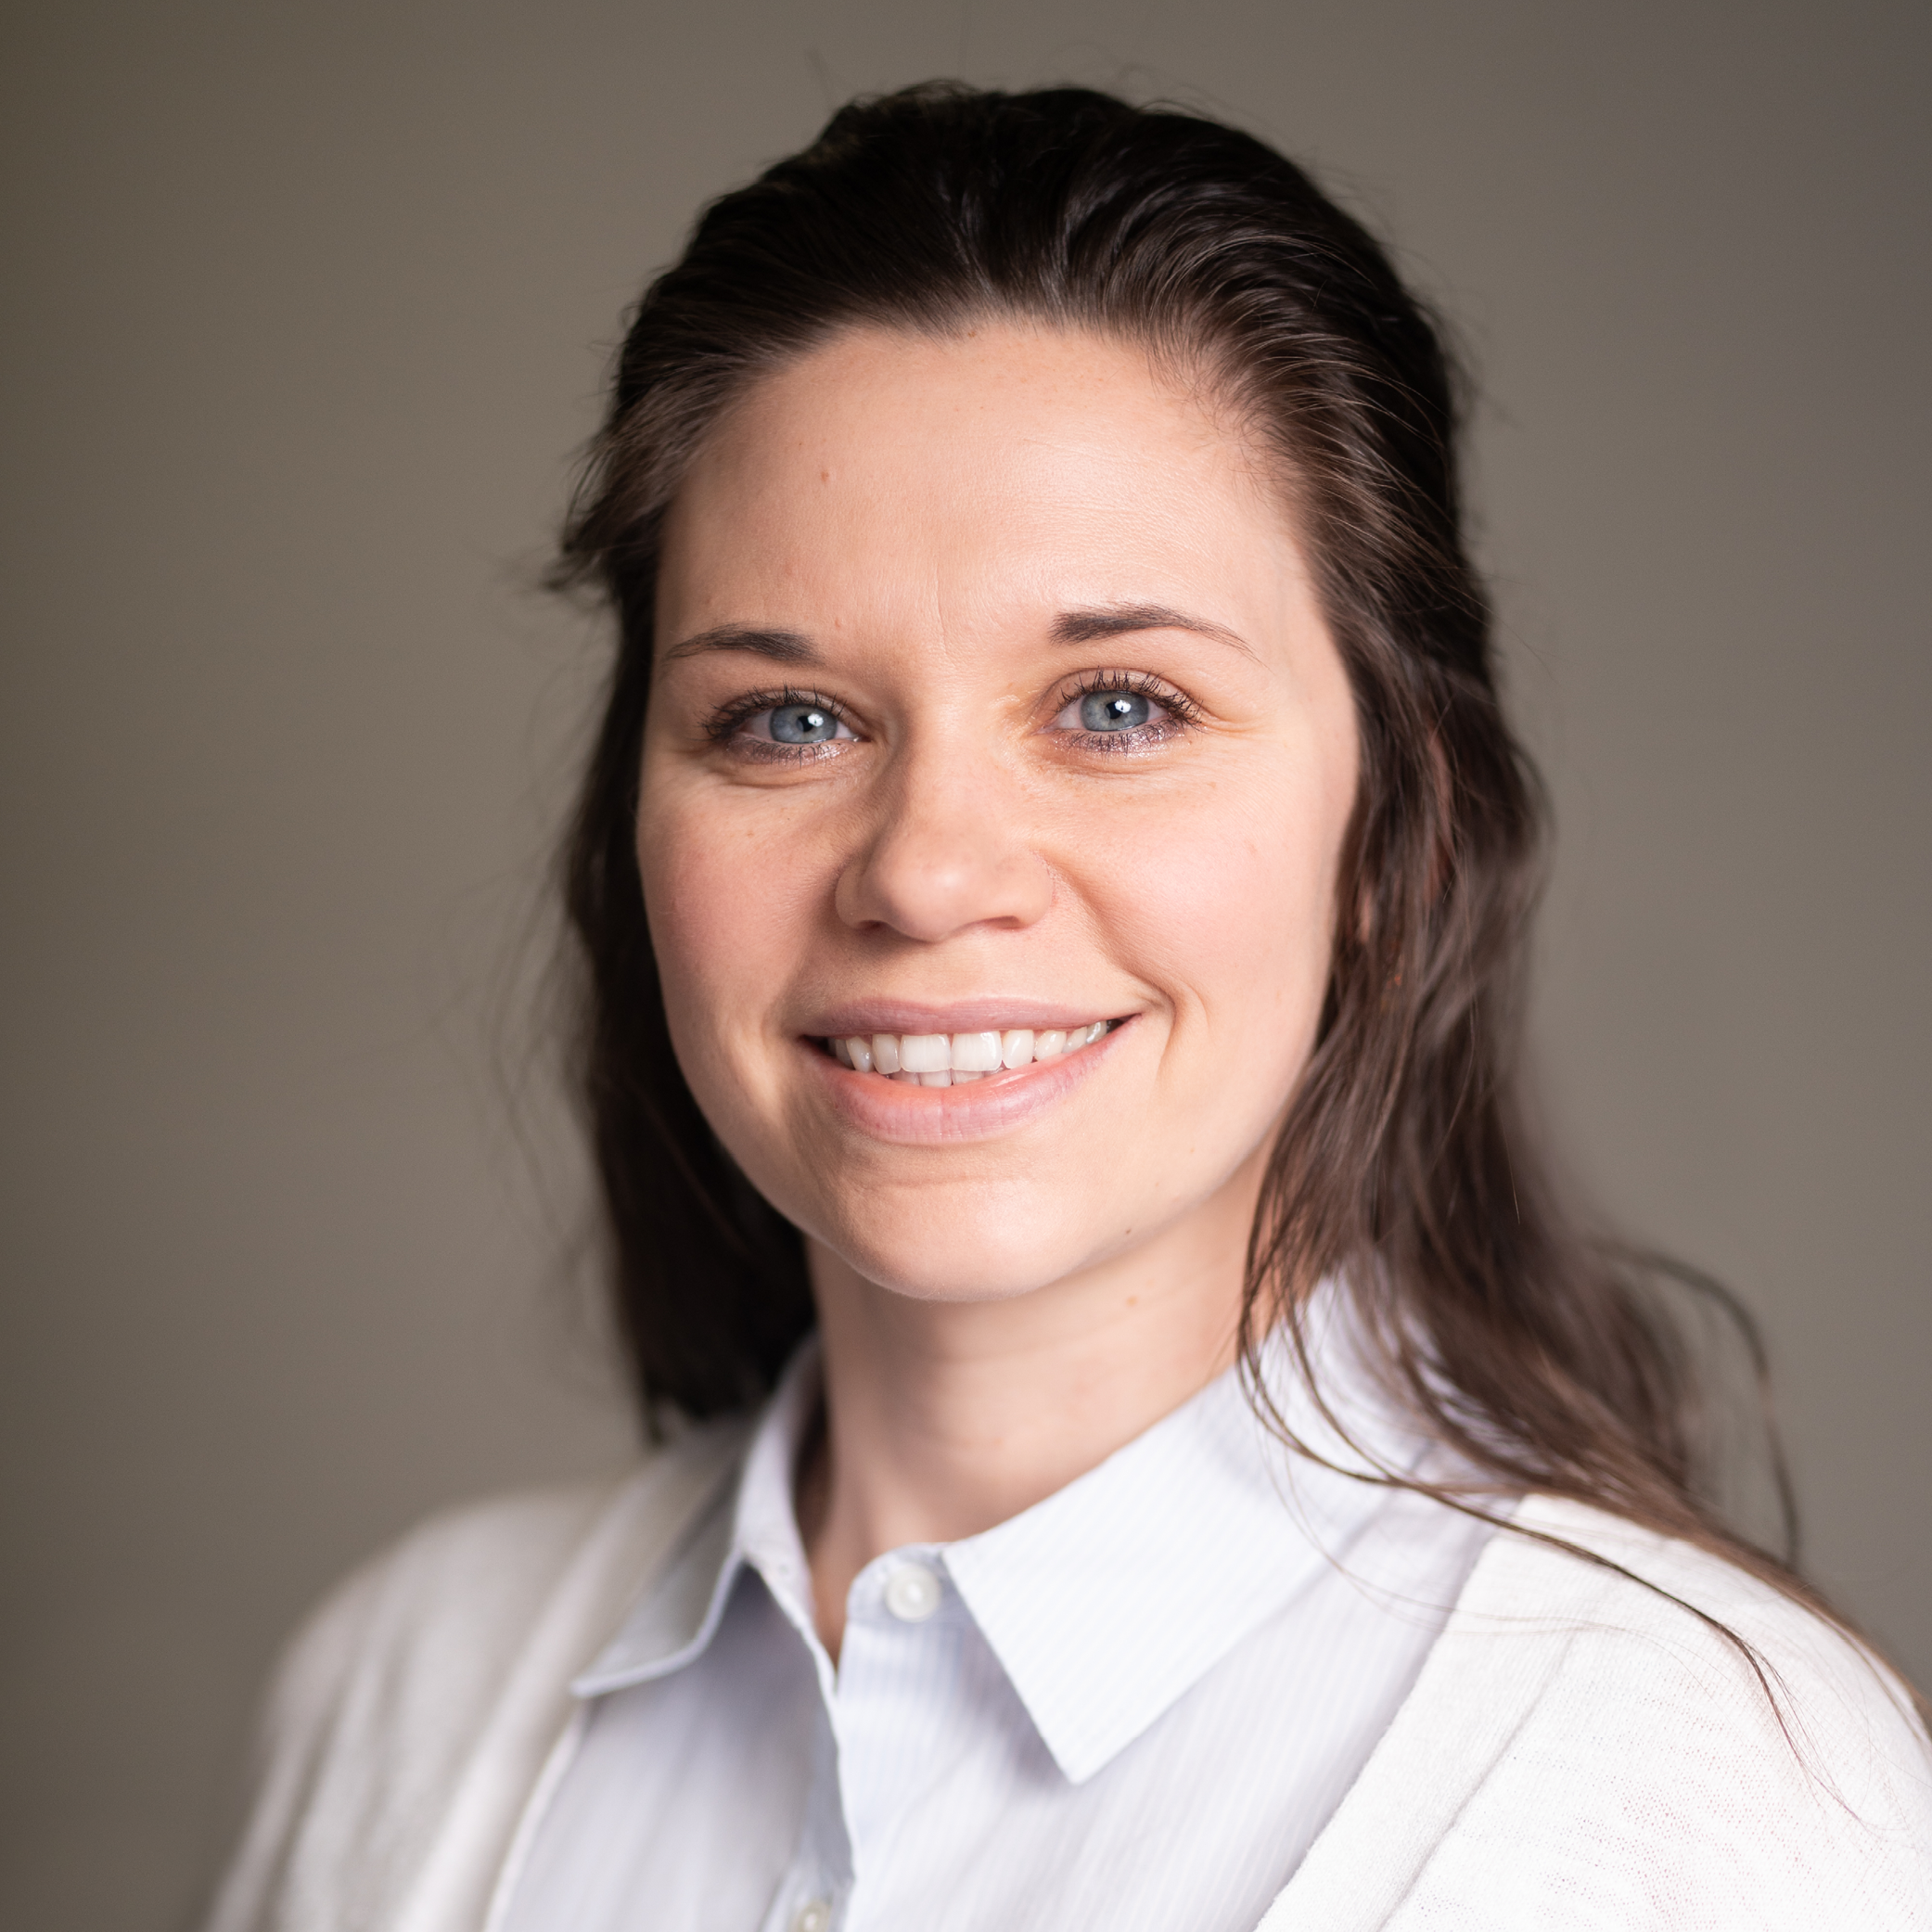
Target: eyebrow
(1120,619)
(780,646)
(1071,627)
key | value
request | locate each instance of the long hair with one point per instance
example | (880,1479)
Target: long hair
(1403,1169)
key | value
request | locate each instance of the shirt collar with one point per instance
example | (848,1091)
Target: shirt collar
(1112,1598)
(1107,1602)
(750,1524)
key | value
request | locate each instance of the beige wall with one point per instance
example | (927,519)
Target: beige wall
(306,307)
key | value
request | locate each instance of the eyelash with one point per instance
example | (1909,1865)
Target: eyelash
(1182,714)
(721,728)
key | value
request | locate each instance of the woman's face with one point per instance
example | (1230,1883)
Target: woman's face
(992,702)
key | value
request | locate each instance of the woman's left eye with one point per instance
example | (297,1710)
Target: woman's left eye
(1118,713)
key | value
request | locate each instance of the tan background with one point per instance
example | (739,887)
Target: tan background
(306,306)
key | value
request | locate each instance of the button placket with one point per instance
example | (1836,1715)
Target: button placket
(900,1636)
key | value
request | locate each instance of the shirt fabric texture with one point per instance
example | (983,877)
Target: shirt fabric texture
(1134,1704)
(1579,1751)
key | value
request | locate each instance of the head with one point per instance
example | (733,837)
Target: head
(1034,530)
(992,702)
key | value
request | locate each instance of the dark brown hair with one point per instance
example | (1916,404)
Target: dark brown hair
(1403,1169)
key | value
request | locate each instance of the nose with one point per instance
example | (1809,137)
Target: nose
(945,849)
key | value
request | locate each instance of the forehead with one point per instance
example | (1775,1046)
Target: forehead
(1000,463)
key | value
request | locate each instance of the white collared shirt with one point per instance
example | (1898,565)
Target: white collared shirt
(1135,1705)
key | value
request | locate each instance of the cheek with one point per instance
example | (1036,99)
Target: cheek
(1234,899)
(726,901)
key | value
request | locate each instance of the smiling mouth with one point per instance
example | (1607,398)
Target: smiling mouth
(957,1059)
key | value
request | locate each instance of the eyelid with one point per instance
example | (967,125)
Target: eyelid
(735,711)
(1141,683)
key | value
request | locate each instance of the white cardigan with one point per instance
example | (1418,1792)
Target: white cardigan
(1578,1752)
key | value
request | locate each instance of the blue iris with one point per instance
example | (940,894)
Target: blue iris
(1113,710)
(803,724)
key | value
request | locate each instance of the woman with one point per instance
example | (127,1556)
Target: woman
(1138,1445)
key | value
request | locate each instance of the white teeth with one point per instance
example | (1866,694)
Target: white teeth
(926,1052)
(944,1060)
(975,1053)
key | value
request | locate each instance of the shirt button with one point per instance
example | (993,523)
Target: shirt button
(814,1917)
(912,1592)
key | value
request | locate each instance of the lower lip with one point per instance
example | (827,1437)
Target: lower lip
(891,1109)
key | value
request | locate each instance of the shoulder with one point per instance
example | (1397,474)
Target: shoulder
(431,1619)
(468,1577)
(1674,1648)
(471,1581)
(1712,1738)
(451,1649)
(1640,1735)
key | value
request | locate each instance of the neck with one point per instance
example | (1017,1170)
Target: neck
(943,1418)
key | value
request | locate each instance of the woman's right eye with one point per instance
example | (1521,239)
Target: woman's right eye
(797,726)
(801,724)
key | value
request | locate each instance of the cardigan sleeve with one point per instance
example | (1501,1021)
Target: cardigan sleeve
(1583,1752)
(1654,1785)
(413,1714)
(376,1704)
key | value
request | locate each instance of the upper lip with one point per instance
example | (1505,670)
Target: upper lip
(862,1018)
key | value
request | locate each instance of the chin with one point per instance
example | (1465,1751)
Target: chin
(967,1257)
